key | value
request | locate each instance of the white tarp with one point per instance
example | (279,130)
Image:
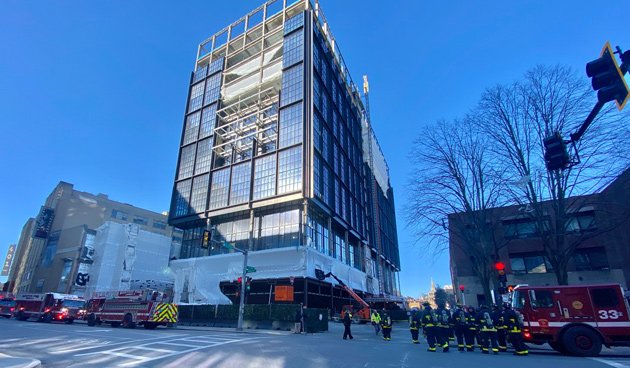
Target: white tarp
(124,253)
(197,279)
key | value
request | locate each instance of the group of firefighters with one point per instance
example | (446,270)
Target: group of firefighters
(490,328)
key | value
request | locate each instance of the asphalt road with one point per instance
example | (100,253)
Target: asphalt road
(59,345)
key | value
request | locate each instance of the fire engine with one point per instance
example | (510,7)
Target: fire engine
(148,308)
(575,320)
(48,307)
(7,304)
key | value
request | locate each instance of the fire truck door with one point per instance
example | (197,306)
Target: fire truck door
(543,309)
(576,306)
(610,310)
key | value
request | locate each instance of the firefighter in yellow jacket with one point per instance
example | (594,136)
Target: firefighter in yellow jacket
(414,326)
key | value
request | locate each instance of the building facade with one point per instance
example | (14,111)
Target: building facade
(56,251)
(597,224)
(277,157)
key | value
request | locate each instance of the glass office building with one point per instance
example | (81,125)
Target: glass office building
(276,154)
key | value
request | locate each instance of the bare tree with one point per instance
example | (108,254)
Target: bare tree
(454,178)
(517,117)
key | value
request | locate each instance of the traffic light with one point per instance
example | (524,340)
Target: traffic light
(607,77)
(248,285)
(499,266)
(205,240)
(556,154)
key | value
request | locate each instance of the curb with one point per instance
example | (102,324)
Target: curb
(225,329)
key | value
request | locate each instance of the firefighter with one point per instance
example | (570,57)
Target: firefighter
(487,330)
(444,324)
(429,326)
(386,326)
(471,329)
(460,325)
(347,322)
(376,321)
(514,327)
(499,320)
(414,326)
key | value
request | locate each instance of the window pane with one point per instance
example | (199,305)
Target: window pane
(187,161)
(200,74)
(241,179)
(196,96)
(543,299)
(294,23)
(219,190)
(605,298)
(535,264)
(265,177)
(290,170)
(204,153)
(293,49)
(292,81)
(291,121)
(191,128)
(518,265)
(199,193)
(208,118)
(181,202)
(213,87)
(216,65)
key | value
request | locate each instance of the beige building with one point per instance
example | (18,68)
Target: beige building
(56,250)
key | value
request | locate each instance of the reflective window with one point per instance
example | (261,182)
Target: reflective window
(204,153)
(220,188)
(200,74)
(317,187)
(293,23)
(51,249)
(216,65)
(290,170)
(529,263)
(326,184)
(187,161)
(181,201)
(213,89)
(292,80)
(278,230)
(337,196)
(196,97)
(208,118)
(339,248)
(293,49)
(159,224)
(317,132)
(326,144)
(191,128)
(317,93)
(291,121)
(241,179)
(316,57)
(65,272)
(591,259)
(199,193)
(120,215)
(140,220)
(265,177)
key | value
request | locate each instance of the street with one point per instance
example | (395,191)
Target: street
(76,345)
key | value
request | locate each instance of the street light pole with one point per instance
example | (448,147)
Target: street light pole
(241,306)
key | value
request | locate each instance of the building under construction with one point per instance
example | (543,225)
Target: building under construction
(277,157)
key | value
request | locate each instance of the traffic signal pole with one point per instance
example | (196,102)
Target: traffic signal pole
(575,137)
(241,305)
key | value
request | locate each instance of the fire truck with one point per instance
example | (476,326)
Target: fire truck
(48,307)
(363,314)
(574,320)
(7,304)
(148,308)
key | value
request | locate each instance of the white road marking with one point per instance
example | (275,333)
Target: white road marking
(102,345)
(611,363)
(142,347)
(173,343)
(123,355)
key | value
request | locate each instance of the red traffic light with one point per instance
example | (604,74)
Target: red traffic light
(499,266)
(239,280)
(462,288)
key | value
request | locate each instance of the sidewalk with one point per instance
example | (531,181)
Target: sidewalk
(7,361)
(227,329)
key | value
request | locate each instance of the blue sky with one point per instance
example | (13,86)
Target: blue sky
(93,93)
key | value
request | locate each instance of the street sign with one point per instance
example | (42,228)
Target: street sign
(227,245)
(250,269)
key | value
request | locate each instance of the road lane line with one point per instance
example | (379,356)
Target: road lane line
(174,343)
(123,355)
(610,363)
(144,347)
(131,364)
(118,343)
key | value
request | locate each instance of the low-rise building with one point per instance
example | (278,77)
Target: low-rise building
(597,224)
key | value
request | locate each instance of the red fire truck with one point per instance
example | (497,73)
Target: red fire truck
(574,320)
(362,314)
(48,307)
(7,304)
(148,308)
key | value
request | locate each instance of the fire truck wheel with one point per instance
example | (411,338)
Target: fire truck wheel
(20,316)
(47,318)
(91,320)
(582,341)
(69,321)
(115,324)
(128,322)
(557,346)
(150,326)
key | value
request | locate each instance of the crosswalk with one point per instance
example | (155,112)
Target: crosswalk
(133,354)
(614,362)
